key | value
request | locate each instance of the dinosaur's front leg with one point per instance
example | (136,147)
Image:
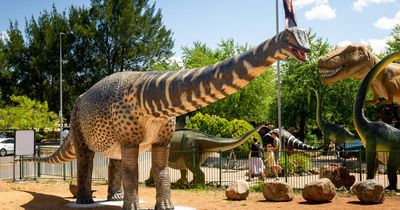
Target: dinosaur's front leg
(162,181)
(130,175)
(372,164)
(114,181)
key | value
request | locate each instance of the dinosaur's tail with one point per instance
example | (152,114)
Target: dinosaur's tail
(65,153)
(296,143)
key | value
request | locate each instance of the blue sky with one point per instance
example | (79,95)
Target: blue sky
(338,21)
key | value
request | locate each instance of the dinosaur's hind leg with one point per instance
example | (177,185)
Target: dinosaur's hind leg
(114,180)
(130,175)
(159,159)
(84,158)
(392,168)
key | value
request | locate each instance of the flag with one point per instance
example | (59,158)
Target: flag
(290,19)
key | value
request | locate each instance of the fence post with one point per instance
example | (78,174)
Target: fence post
(360,168)
(220,168)
(64,176)
(38,162)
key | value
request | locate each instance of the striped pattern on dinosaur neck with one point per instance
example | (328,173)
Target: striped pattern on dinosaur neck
(178,92)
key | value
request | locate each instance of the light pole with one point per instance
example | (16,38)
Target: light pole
(61,98)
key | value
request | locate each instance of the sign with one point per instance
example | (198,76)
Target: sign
(25,142)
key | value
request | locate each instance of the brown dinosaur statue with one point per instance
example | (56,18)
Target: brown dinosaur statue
(129,112)
(355,61)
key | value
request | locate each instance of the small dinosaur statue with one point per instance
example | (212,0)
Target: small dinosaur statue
(354,61)
(382,141)
(129,112)
(190,148)
(331,132)
(291,141)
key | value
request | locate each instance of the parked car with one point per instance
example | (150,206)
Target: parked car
(6,146)
(351,149)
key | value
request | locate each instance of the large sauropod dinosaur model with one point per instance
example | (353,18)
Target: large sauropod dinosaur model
(354,61)
(128,112)
(381,141)
(190,148)
(331,132)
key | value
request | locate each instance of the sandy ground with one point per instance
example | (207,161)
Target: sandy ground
(55,195)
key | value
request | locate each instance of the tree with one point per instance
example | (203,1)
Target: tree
(337,99)
(394,40)
(108,37)
(27,114)
(249,103)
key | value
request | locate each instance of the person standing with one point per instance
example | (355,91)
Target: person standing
(256,163)
(276,145)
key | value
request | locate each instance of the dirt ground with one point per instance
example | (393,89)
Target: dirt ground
(44,195)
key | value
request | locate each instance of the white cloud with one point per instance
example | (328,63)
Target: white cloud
(176,59)
(343,43)
(298,4)
(320,12)
(388,23)
(377,45)
(4,36)
(359,5)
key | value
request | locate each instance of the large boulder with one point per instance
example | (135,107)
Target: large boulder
(277,191)
(238,190)
(369,191)
(319,191)
(338,175)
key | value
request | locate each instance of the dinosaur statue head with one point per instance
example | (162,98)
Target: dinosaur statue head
(294,42)
(352,61)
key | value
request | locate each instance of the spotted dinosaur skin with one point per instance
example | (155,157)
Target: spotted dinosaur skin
(127,113)
(331,132)
(382,141)
(291,141)
(354,61)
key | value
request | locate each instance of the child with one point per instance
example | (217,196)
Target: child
(271,161)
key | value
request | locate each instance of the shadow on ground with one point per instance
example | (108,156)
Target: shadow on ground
(42,201)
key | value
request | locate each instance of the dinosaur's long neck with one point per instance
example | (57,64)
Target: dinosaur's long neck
(318,112)
(361,123)
(224,144)
(188,90)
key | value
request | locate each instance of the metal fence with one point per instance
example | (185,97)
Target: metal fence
(219,168)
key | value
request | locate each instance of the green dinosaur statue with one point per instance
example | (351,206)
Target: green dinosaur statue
(331,132)
(190,148)
(130,112)
(382,141)
(354,61)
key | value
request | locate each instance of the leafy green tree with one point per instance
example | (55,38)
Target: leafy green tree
(222,127)
(27,114)
(108,37)
(249,103)
(337,99)
(394,40)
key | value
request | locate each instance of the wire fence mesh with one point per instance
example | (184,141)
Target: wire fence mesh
(212,168)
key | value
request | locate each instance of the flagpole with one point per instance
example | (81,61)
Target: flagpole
(278,72)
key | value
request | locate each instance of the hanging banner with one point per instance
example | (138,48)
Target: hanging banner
(290,18)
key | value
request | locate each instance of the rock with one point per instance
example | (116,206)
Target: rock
(369,191)
(338,175)
(319,191)
(351,163)
(277,191)
(73,187)
(238,190)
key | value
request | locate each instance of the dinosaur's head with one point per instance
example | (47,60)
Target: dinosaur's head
(295,44)
(352,61)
